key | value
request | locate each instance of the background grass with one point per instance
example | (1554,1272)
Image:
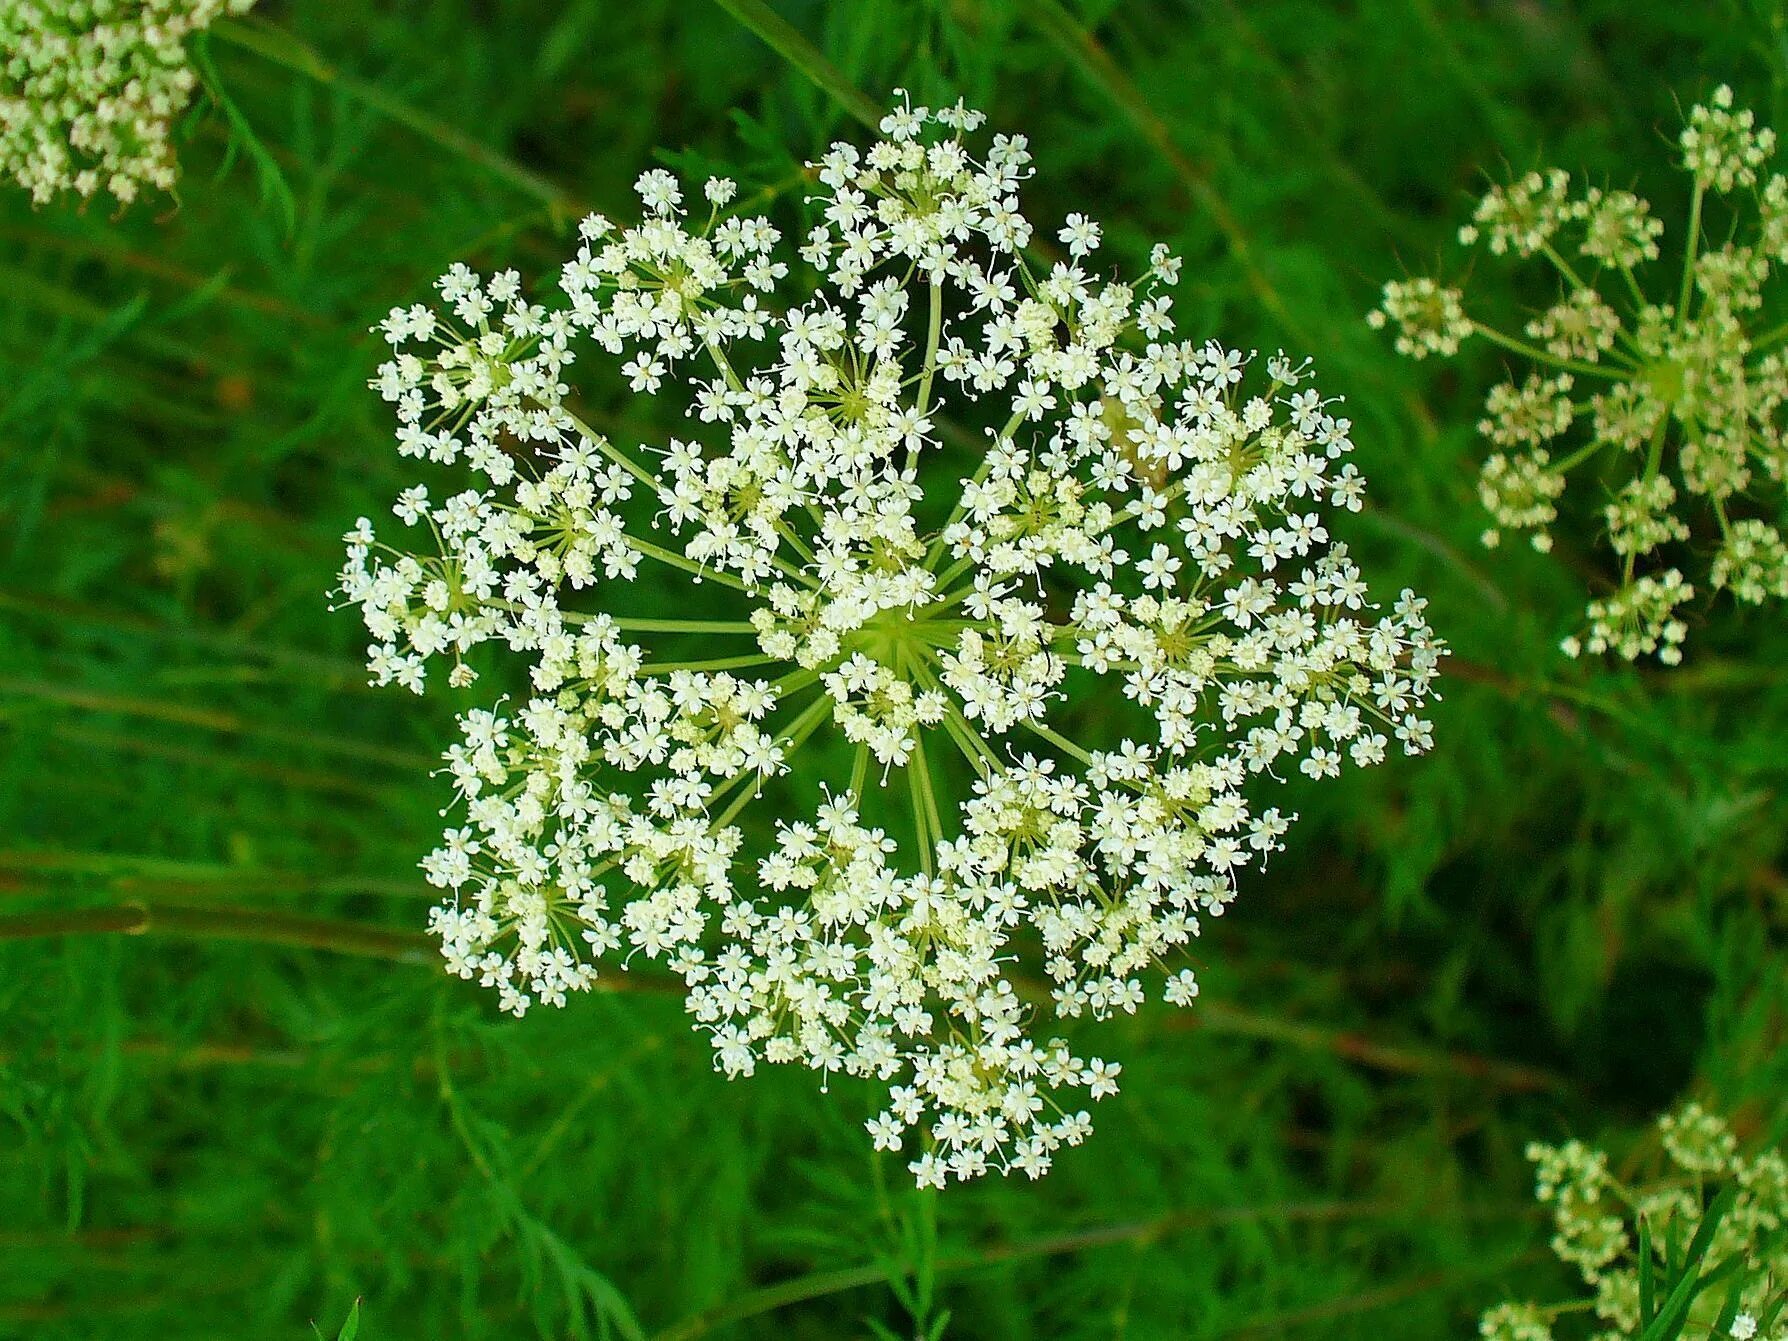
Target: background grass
(234,1092)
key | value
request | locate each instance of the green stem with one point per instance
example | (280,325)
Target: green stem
(782,38)
(1719,507)
(722,364)
(675,560)
(795,680)
(632,625)
(914,771)
(1057,739)
(1563,266)
(716,664)
(808,722)
(1654,460)
(928,790)
(934,328)
(958,727)
(1539,355)
(1581,455)
(1654,454)
(620,458)
(739,802)
(968,744)
(804,725)
(1688,261)
(1764,343)
(280,47)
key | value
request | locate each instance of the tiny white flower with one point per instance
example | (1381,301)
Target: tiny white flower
(1080,234)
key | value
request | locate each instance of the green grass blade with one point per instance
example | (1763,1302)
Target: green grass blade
(786,41)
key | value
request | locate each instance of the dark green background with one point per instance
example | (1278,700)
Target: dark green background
(1558,922)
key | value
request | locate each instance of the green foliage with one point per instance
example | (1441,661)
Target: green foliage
(1696,1249)
(235,1095)
(275,192)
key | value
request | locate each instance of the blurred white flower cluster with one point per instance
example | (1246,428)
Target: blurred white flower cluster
(1699,1253)
(89,90)
(1671,401)
(1025,595)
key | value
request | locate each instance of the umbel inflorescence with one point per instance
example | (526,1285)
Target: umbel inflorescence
(1698,1252)
(1666,390)
(1024,673)
(89,90)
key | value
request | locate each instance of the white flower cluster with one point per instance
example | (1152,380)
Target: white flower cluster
(1046,666)
(1606,1227)
(90,88)
(1680,399)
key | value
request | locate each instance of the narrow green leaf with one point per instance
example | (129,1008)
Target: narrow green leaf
(1709,1226)
(1689,1280)
(275,190)
(1674,1314)
(1729,1310)
(1767,1319)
